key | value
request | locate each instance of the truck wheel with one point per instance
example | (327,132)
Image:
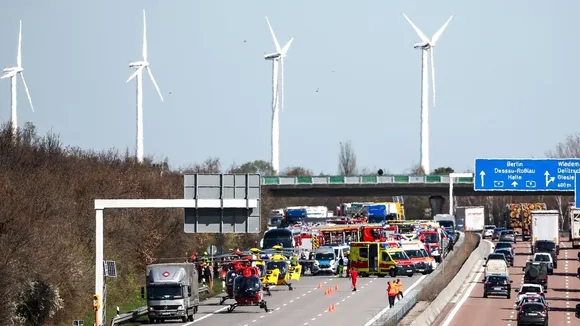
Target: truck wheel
(392,272)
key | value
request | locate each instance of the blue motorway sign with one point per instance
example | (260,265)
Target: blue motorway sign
(576,190)
(525,174)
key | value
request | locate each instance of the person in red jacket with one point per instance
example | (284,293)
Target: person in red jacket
(353,277)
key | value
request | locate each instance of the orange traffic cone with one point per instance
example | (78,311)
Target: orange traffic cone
(331,308)
(336,288)
(330,289)
(319,285)
(326,292)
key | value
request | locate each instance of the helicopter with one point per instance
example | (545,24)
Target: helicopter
(247,289)
(279,271)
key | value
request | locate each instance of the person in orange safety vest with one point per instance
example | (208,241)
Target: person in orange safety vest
(392,291)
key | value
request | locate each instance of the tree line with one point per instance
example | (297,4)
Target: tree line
(47,192)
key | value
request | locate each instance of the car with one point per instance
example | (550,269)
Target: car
(533,313)
(509,257)
(504,245)
(496,255)
(536,273)
(496,233)
(507,235)
(487,231)
(544,257)
(547,246)
(497,285)
(532,298)
(527,289)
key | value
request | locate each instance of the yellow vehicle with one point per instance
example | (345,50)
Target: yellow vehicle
(280,271)
(370,258)
(405,266)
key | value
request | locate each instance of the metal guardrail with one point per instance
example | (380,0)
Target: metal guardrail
(136,314)
(364,179)
(395,314)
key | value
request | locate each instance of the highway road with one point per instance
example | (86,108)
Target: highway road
(307,304)
(470,308)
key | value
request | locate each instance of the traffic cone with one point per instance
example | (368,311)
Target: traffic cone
(331,308)
(336,288)
(326,292)
(319,285)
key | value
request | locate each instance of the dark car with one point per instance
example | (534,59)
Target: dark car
(497,285)
(504,245)
(496,233)
(533,313)
(509,256)
(549,247)
(536,273)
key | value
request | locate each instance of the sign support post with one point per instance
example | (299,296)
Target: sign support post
(452,176)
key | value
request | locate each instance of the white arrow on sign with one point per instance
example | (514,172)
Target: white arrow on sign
(482,174)
(548,178)
(515,184)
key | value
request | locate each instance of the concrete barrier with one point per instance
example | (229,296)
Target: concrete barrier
(428,316)
(395,314)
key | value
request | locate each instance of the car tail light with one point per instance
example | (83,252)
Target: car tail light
(488,283)
(521,311)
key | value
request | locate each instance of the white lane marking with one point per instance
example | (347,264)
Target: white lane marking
(253,321)
(466,294)
(375,318)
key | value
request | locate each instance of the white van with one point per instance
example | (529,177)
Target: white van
(496,266)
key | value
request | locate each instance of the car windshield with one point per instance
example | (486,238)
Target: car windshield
(497,279)
(496,256)
(398,255)
(490,227)
(503,245)
(532,289)
(532,307)
(164,292)
(498,230)
(505,252)
(542,258)
(507,232)
(414,253)
(324,256)
(533,299)
(431,237)
(545,245)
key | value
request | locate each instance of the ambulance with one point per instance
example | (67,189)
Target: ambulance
(372,258)
(416,251)
(405,266)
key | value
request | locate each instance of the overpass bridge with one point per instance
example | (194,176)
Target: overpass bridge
(374,185)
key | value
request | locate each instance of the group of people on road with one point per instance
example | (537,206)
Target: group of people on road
(394,291)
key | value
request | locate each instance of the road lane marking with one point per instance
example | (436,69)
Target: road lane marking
(466,294)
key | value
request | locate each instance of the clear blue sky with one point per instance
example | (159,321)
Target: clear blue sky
(506,78)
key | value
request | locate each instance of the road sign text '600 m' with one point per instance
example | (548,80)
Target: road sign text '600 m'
(525,174)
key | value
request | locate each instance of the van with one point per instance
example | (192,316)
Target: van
(496,266)
(369,258)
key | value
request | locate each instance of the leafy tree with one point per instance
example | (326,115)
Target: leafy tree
(443,171)
(296,171)
(259,166)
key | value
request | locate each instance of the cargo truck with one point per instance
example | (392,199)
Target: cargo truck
(473,218)
(545,226)
(575,227)
(172,292)
(518,217)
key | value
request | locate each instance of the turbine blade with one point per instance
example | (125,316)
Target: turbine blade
(432,49)
(421,35)
(155,83)
(144,37)
(276,44)
(6,76)
(437,35)
(135,74)
(286,47)
(282,83)
(19,57)
(27,91)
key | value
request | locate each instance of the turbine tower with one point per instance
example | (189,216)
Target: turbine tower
(427,48)
(13,73)
(142,65)
(277,59)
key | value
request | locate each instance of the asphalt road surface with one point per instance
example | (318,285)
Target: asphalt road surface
(308,304)
(470,308)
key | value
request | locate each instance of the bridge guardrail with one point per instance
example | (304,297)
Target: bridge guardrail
(136,314)
(395,314)
(364,179)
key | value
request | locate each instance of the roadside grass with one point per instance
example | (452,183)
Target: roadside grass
(431,290)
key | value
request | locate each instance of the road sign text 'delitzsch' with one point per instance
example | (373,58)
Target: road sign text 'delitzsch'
(525,174)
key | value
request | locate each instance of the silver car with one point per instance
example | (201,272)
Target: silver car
(487,231)
(508,236)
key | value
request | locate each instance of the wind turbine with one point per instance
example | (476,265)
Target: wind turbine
(142,65)
(277,59)
(12,73)
(427,48)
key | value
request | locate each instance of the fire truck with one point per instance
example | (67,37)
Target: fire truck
(435,241)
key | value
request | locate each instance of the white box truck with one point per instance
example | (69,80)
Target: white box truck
(545,226)
(575,227)
(473,218)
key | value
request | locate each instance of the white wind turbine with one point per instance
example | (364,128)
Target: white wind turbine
(277,89)
(142,65)
(13,73)
(427,49)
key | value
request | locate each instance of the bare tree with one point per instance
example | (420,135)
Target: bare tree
(346,159)
(569,148)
